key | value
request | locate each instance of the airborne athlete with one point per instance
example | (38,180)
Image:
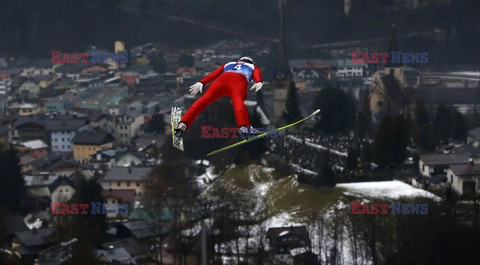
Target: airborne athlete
(230,79)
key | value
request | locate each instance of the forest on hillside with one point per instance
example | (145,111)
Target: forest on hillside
(34,28)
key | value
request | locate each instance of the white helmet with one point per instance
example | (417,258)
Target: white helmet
(247,59)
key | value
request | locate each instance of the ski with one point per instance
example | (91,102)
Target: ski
(263,134)
(175,119)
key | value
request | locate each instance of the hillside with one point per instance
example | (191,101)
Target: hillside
(262,198)
(277,195)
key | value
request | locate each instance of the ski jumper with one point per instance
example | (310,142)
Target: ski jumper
(231,80)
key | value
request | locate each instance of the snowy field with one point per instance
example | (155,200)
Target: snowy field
(385,189)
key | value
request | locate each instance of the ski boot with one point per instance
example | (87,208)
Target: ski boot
(180,130)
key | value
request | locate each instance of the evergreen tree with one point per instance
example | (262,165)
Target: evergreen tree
(391,141)
(363,124)
(158,63)
(442,122)
(426,138)
(449,124)
(422,131)
(185,60)
(292,108)
(337,110)
(421,114)
(367,153)
(157,124)
(328,176)
(400,140)
(12,186)
(352,159)
(84,253)
(459,128)
(88,228)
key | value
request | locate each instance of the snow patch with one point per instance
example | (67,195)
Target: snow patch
(386,189)
(280,220)
(36,224)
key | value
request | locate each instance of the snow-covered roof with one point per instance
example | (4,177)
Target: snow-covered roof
(35,144)
(28,106)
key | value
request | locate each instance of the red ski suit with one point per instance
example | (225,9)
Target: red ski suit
(231,80)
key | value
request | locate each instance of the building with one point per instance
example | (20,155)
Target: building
(104,159)
(27,128)
(36,68)
(102,97)
(25,109)
(345,69)
(5,83)
(118,156)
(29,89)
(96,118)
(389,93)
(29,109)
(434,164)
(117,197)
(474,137)
(464,178)
(95,68)
(114,256)
(44,81)
(129,158)
(62,131)
(86,144)
(138,230)
(304,256)
(125,178)
(3,105)
(386,98)
(130,78)
(13,223)
(61,190)
(57,255)
(136,248)
(127,126)
(28,244)
(283,239)
(34,148)
(56,163)
(65,83)
(310,73)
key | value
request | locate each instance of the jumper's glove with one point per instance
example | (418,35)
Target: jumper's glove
(195,88)
(257,86)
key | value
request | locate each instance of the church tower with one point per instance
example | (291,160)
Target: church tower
(394,68)
(281,74)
